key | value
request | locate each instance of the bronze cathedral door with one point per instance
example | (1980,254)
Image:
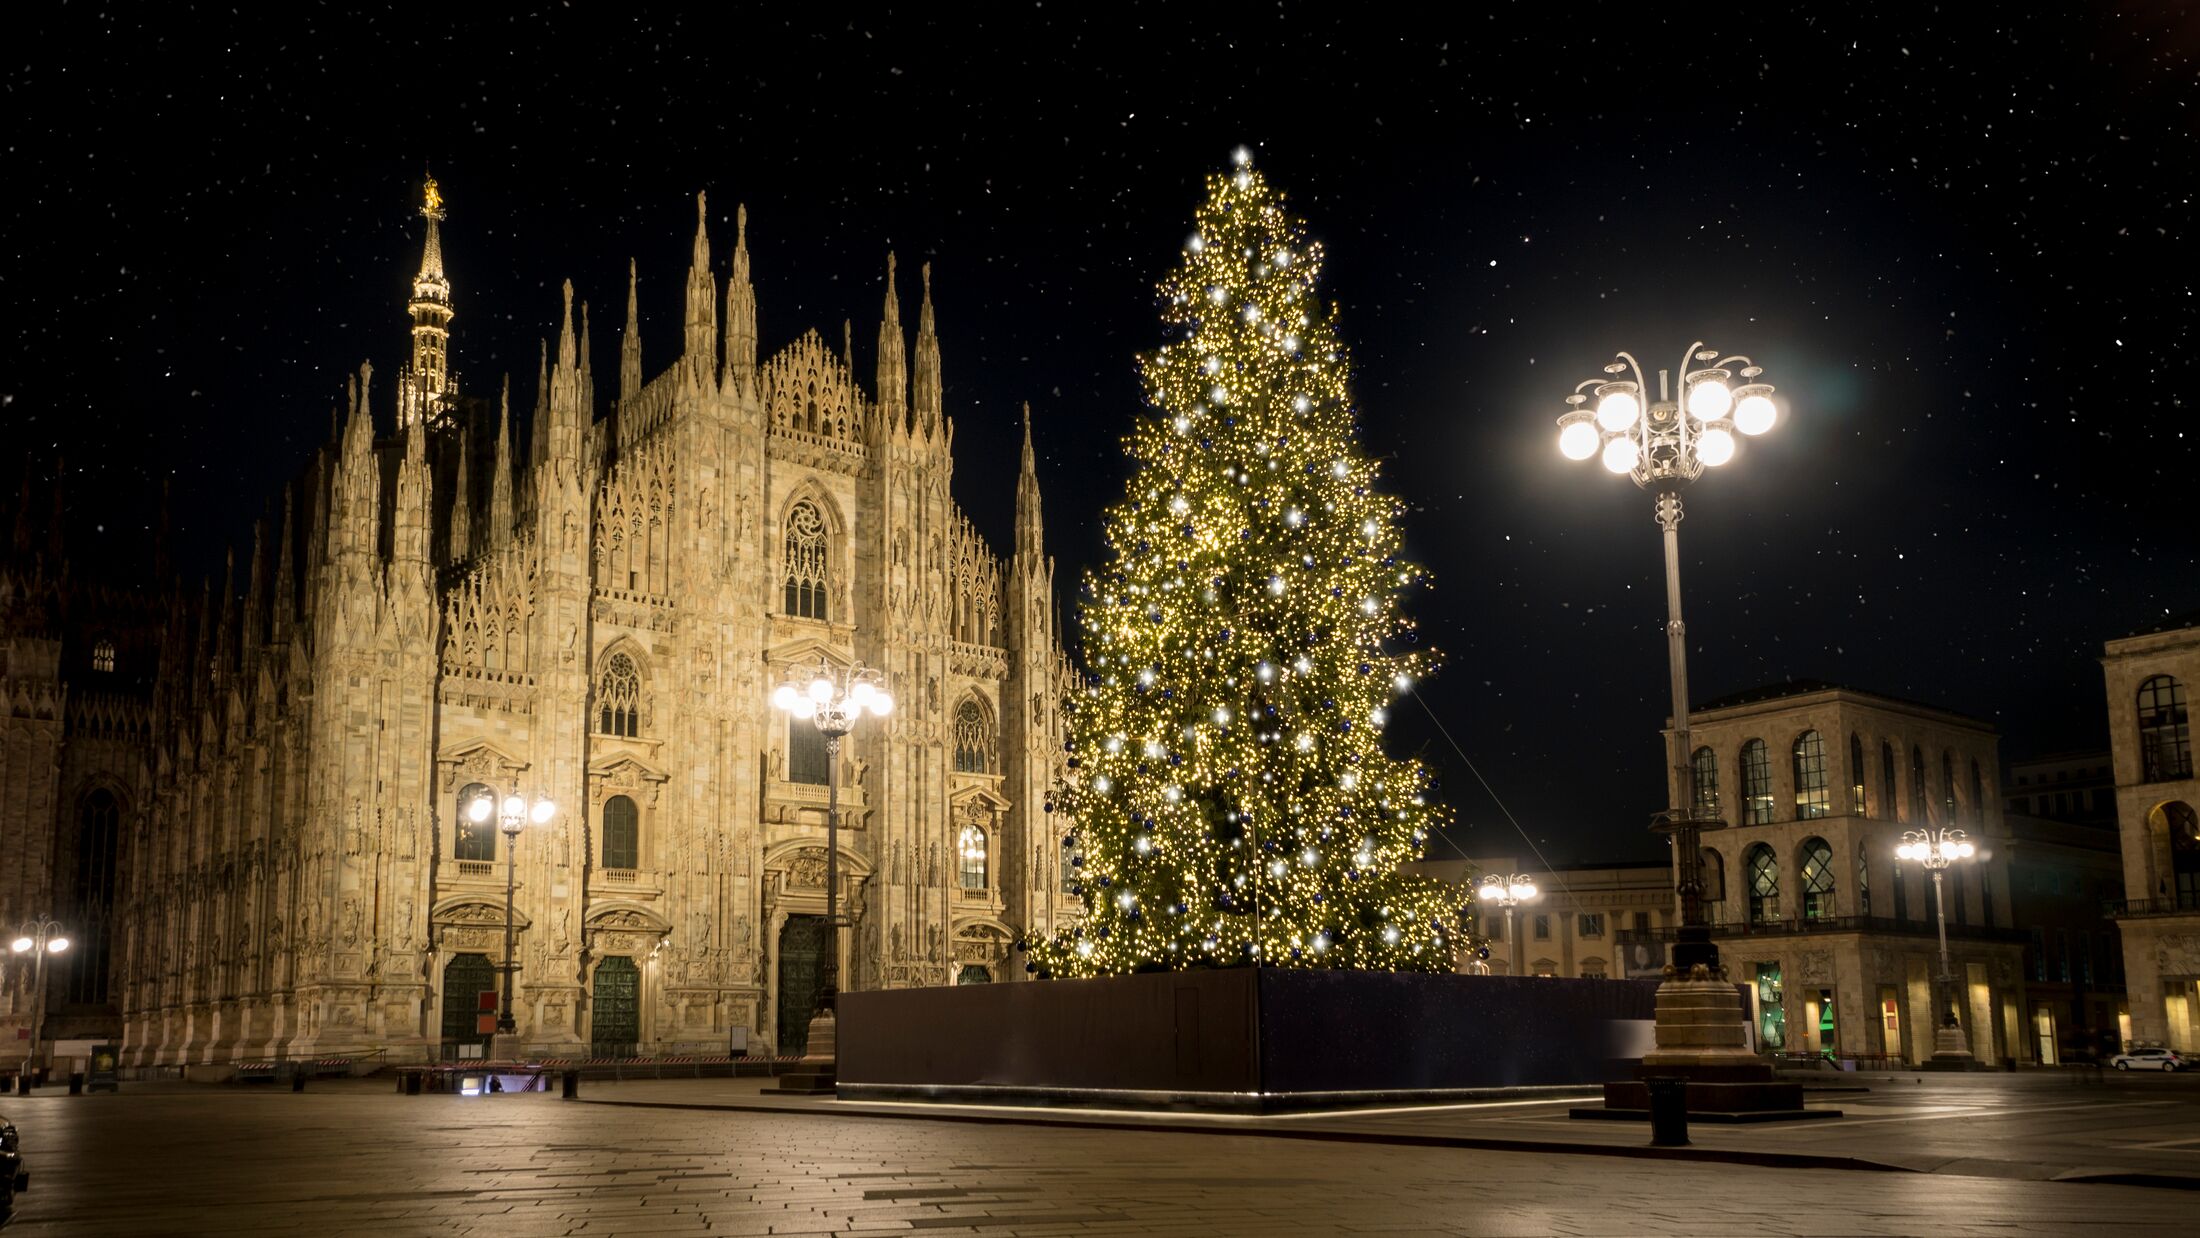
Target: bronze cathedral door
(802,945)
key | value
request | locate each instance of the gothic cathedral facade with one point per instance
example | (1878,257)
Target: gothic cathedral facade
(598,618)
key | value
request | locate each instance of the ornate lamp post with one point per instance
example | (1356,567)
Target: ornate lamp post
(38,938)
(1935,849)
(1664,445)
(1507,892)
(512,816)
(833,698)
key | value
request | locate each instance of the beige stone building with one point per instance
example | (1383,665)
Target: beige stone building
(1593,922)
(1834,937)
(2156,800)
(597,616)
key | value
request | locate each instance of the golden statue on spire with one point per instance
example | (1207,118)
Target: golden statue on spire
(434,207)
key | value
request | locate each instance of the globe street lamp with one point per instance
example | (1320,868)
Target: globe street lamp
(1664,445)
(1507,892)
(1936,849)
(832,698)
(512,815)
(37,938)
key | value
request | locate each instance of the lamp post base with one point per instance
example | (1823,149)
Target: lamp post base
(1951,1049)
(505,1047)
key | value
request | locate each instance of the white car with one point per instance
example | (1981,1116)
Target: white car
(2148,1059)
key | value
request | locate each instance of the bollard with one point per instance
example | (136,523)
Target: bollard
(570,1085)
(76,1083)
(297,1081)
(1668,1112)
(23,1084)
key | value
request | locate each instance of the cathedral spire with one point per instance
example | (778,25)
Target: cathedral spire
(740,310)
(893,381)
(255,596)
(286,577)
(1029,531)
(500,480)
(538,430)
(426,384)
(925,382)
(587,387)
(462,501)
(702,300)
(630,347)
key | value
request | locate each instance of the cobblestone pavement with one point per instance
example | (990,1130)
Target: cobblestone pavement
(361,1160)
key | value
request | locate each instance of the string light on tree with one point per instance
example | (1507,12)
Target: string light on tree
(1232,800)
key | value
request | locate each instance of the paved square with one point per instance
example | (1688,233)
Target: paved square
(355,1160)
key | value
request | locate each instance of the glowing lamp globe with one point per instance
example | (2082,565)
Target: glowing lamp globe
(542,811)
(1618,410)
(784,697)
(481,809)
(514,806)
(1524,890)
(1715,446)
(821,689)
(1621,454)
(1578,441)
(1709,400)
(24,945)
(1755,414)
(1490,893)
(57,945)
(882,703)
(860,695)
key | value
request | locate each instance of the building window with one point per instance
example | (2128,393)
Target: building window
(806,758)
(1542,927)
(1918,815)
(1642,921)
(103,656)
(2165,742)
(1978,796)
(1954,894)
(1764,884)
(973,739)
(1069,864)
(2039,955)
(622,833)
(2183,827)
(1817,879)
(1901,895)
(1887,800)
(1592,969)
(1704,772)
(971,846)
(1811,797)
(1714,878)
(2085,956)
(806,560)
(1591,924)
(1856,775)
(1863,880)
(1771,1008)
(476,840)
(619,697)
(1756,783)
(1948,787)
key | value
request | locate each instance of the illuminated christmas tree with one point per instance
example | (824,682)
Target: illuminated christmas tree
(1231,799)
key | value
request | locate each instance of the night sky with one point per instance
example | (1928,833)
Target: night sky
(1959,244)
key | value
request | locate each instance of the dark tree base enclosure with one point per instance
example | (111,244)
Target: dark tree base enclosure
(1243,1038)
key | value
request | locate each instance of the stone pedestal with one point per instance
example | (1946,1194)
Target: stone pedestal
(505,1047)
(816,1074)
(1703,1041)
(1951,1051)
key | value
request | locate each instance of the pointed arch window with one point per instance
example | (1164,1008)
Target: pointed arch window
(475,840)
(103,656)
(1948,786)
(806,563)
(98,835)
(1978,795)
(1714,879)
(619,697)
(1756,783)
(1918,815)
(1817,879)
(1863,880)
(622,833)
(1812,799)
(973,739)
(1856,775)
(1764,884)
(1887,799)
(1704,772)
(2165,740)
(807,761)
(971,845)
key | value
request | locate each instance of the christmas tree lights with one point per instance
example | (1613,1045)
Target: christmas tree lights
(1231,799)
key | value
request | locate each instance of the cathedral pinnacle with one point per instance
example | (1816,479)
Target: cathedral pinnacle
(925,395)
(893,363)
(427,382)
